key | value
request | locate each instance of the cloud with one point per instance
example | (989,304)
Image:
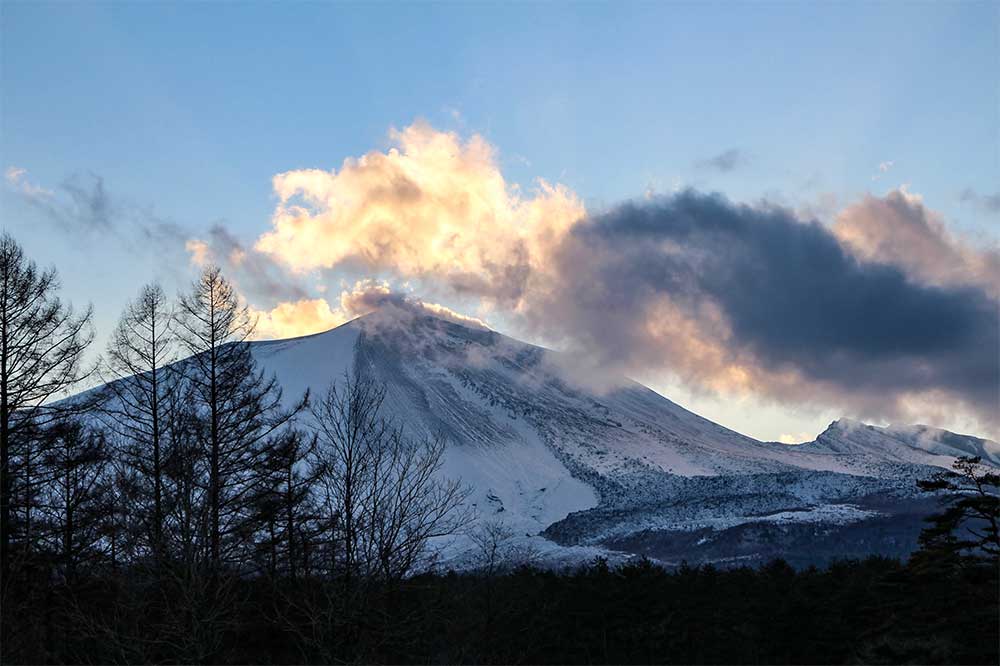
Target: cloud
(83,204)
(883,168)
(796,438)
(257,275)
(883,315)
(294,319)
(725,161)
(80,203)
(752,299)
(988,203)
(16,178)
(373,295)
(91,203)
(314,315)
(899,229)
(201,253)
(433,206)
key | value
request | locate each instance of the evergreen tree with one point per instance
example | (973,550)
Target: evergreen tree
(969,523)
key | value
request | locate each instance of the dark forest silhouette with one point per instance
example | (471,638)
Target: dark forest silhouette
(187,512)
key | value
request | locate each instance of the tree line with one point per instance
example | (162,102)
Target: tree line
(186,511)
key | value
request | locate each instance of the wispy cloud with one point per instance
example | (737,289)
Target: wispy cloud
(256,274)
(883,168)
(79,203)
(17,179)
(291,319)
(726,161)
(83,204)
(313,315)
(989,203)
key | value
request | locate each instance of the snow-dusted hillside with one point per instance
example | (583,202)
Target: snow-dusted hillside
(592,471)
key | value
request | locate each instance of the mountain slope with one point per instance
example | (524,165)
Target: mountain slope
(594,471)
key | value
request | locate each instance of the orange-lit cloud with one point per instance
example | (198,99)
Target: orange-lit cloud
(306,316)
(201,254)
(17,178)
(880,314)
(293,319)
(432,206)
(899,229)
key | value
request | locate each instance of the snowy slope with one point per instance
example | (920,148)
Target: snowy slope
(486,391)
(545,455)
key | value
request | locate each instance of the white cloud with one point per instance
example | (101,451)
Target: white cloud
(883,168)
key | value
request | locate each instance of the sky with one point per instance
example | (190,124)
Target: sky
(774,214)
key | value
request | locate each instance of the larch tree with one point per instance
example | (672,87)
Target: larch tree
(76,502)
(240,406)
(286,499)
(42,342)
(138,388)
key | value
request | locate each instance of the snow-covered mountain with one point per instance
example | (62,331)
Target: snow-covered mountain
(625,471)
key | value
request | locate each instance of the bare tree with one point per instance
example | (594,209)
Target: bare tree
(493,539)
(348,425)
(41,345)
(381,501)
(500,549)
(138,389)
(287,499)
(241,407)
(184,471)
(126,496)
(76,499)
(409,504)
(383,497)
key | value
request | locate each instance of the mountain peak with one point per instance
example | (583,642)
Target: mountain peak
(395,310)
(905,442)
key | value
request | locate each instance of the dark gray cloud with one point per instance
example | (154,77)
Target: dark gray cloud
(725,161)
(986,202)
(80,203)
(90,205)
(694,279)
(83,204)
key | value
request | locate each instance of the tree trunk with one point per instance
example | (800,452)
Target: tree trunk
(290,522)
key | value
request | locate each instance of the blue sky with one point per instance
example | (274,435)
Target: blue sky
(186,111)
